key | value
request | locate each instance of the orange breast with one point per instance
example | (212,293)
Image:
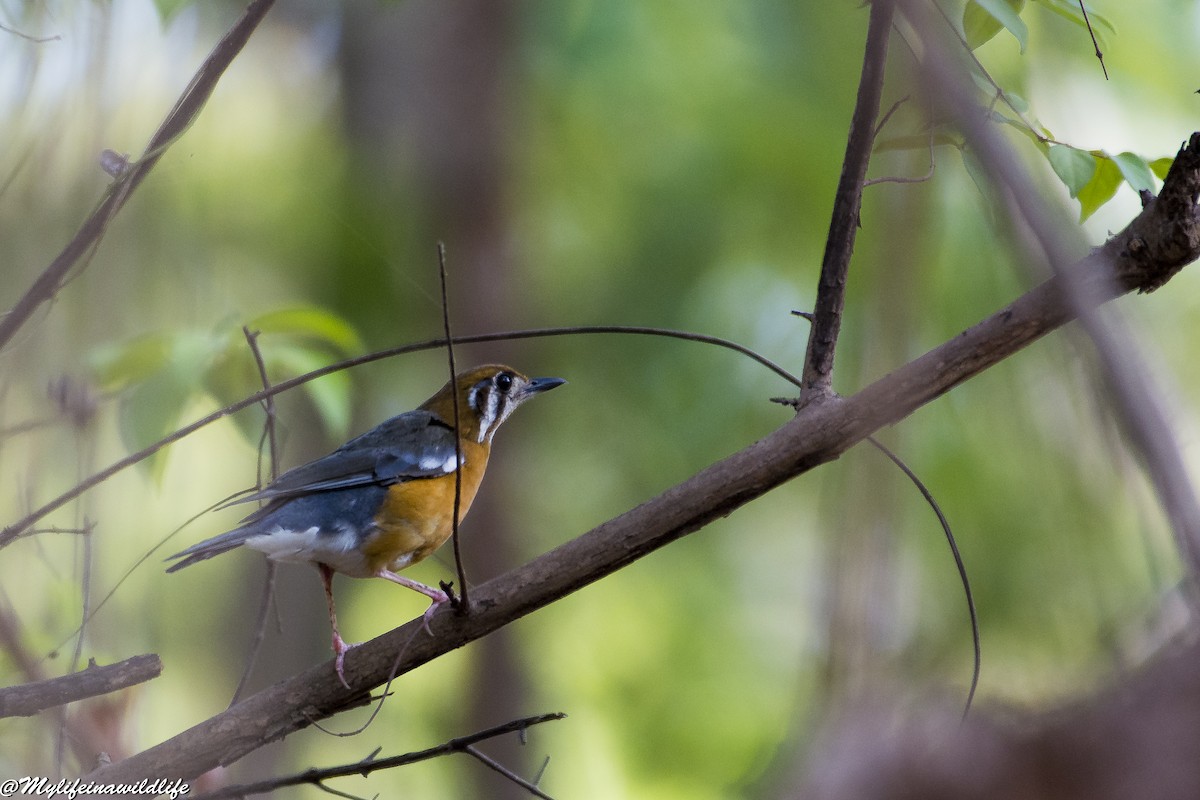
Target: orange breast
(416,516)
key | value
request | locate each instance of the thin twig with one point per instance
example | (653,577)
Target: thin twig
(268,402)
(1137,402)
(818,434)
(500,769)
(463,604)
(11,532)
(35,39)
(184,112)
(958,562)
(843,225)
(1099,56)
(272,443)
(371,764)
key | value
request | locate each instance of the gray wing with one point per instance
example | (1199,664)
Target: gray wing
(412,445)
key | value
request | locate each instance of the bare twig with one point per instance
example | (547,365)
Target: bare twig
(372,764)
(268,403)
(35,39)
(839,245)
(260,630)
(958,563)
(1121,366)
(463,604)
(189,105)
(33,698)
(271,441)
(817,434)
(12,531)
(1095,44)
(497,767)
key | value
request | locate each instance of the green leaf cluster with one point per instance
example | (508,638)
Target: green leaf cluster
(158,375)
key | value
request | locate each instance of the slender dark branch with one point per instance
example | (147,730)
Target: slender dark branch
(500,769)
(260,631)
(268,403)
(1095,44)
(958,563)
(47,284)
(11,532)
(33,698)
(372,764)
(35,39)
(1119,363)
(464,601)
(1152,248)
(271,441)
(839,245)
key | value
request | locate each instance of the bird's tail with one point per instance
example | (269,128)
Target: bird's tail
(212,547)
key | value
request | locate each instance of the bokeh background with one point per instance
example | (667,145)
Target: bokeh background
(669,164)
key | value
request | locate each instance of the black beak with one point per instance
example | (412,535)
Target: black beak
(543,384)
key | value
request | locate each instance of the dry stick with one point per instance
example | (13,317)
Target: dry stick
(194,96)
(1122,368)
(843,225)
(496,766)
(271,441)
(1161,240)
(16,529)
(972,614)
(1095,44)
(372,764)
(463,604)
(33,698)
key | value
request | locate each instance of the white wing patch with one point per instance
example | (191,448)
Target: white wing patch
(431,463)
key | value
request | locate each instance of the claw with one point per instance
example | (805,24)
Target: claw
(339,662)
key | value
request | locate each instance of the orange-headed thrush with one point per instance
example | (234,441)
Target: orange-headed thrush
(384,500)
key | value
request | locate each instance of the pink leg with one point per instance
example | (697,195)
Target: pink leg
(436,595)
(339,645)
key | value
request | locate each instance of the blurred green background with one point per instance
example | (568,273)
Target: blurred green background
(668,164)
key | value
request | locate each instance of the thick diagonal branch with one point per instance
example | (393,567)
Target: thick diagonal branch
(1164,237)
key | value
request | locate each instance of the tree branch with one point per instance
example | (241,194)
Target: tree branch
(839,245)
(462,744)
(1146,253)
(33,698)
(1120,365)
(47,284)
(10,533)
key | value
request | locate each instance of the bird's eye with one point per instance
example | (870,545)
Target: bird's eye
(504,382)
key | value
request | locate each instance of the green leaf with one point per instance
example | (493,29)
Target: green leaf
(1136,171)
(1100,189)
(1069,9)
(983,19)
(331,394)
(1073,166)
(317,323)
(1161,166)
(153,407)
(167,9)
(116,366)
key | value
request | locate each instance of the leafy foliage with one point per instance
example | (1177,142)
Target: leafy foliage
(160,374)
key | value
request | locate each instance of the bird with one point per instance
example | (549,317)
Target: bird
(384,500)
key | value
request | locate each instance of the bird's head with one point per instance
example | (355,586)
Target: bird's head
(486,396)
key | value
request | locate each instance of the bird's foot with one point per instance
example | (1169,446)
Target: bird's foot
(439,599)
(339,662)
